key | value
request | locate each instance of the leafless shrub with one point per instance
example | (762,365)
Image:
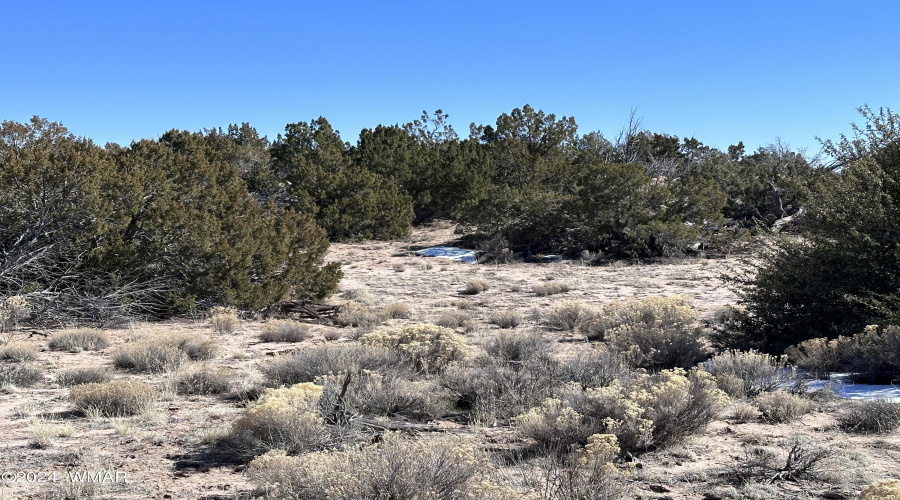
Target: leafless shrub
(517,348)
(284,330)
(476,286)
(798,458)
(399,393)
(871,417)
(18,352)
(224,320)
(397,311)
(743,412)
(781,406)
(114,399)
(550,288)
(83,375)
(463,304)
(79,340)
(818,356)
(506,319)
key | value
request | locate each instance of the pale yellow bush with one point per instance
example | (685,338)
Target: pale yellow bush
(645,410)
(550,288)
(476,286)
(887,489)
(223,320)
(163,352)
(654,333)
(284,330)
(569,315)
(286,419)
(441,467)
(429,347)
(397,310)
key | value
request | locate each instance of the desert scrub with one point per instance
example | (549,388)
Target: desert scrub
(399,468)
(475,286)
(653,333)
(114,399)
(817,356)
(284,330)
(397,311)
(597,368)
(13,310)
(517,373)
(870,417)
(203,379)
(309,364)
(162,352)
(746,374)
(550,288)
(395,394)
(568,315)
(428,347)
(505,319)
(644,411)
(781,406)
(456,319)
(19,375)
(223,320)
(79,340)
(18,352)
(886,489)
(357,315)
(82,375)
(285,419)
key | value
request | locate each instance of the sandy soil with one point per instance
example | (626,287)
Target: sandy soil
(164,456)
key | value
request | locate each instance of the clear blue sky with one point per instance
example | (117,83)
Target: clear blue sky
(719,71)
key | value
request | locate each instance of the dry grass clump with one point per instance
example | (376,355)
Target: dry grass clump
(428,347)
(781,406)
(19,375)
(463,304)
(286,419)
(550,288)
(163,352)
(204,379)
(397,311)
(357,315)
(654,333)
(871,417)
(886,489)
(309,364)
(79,340)
(456,319)
(475,286)
(440,467)
(43,431)
(568,315)
(644,411)
(18,352)
(746,374)
(83,375)
(223,320)
(284,330)
(743,412)
(505,319)
(360,295)
(114,399)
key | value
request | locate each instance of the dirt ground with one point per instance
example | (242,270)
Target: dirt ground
(162,454)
